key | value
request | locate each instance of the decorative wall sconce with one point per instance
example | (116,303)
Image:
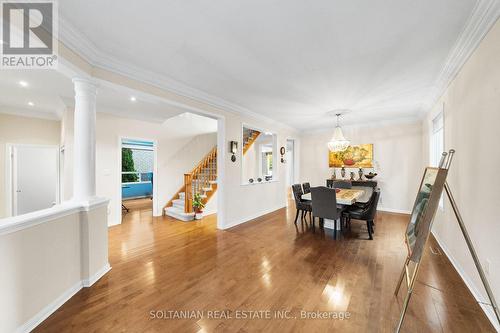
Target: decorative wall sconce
(233,149)
(282,153)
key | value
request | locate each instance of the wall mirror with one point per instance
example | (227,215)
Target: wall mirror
(259,156)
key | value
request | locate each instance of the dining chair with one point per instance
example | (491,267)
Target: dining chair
(329,183)
(342,184)
(365,213)
(302,206)
(324,205)
(306,187)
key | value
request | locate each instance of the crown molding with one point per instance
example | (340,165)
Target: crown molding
(481,20)
(81,44)
(30,113)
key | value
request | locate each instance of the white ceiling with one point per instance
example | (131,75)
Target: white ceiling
(289,60)
(51,92)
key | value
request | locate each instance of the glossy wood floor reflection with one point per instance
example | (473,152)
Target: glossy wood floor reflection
(160,264)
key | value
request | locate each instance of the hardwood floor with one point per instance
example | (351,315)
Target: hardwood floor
(160,264)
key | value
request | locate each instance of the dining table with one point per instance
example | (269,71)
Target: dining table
(348,197)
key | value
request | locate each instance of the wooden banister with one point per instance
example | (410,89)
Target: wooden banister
(188,200)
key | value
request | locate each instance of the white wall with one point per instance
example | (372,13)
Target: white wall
(397,149)
(471,126)
(23,130)
(245,202)
(241,203)
(46,257)
(175,156)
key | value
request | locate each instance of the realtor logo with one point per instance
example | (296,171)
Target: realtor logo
(29,34)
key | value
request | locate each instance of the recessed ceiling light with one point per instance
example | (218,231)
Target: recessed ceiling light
(31,104)
(23,83)
(133,99)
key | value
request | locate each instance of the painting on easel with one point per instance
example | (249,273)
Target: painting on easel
(419,228)
(424,209)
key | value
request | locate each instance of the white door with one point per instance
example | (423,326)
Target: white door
(35,178)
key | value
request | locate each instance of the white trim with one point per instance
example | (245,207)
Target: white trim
(49,309)
(394,210)
(156,210)
(488,310)
(17,223)
(482,18)
(59,301)
(97,275)
(253,216)
(221,171)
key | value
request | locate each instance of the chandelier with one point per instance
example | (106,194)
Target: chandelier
(338,141)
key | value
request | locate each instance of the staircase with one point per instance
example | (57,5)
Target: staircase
(202,179)
(249,137)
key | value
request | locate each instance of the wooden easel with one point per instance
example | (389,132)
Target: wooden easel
(414,259)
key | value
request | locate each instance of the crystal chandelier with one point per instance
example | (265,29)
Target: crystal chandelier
(338,141)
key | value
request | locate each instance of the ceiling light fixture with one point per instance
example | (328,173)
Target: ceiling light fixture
(133,99)
(31,104)
(23,84)
(338,141)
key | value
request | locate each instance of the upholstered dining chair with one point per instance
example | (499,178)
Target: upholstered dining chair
(366,213)
(306,187)
(342,184)
(302,206)
(324,205)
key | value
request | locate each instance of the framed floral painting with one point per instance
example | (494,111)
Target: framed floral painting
(358,156)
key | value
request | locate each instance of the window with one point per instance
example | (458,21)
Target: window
(437,144)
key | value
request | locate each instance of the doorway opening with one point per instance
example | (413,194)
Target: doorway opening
(137,177)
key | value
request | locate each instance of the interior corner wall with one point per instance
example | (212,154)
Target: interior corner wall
(471,118)
(397,149)
(23,130)
(245,202)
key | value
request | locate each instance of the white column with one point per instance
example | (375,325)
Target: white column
(84,139)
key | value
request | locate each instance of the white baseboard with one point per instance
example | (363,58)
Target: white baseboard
(209,212)
(252,217)
(112,224)
(488,310)
(94,278)
(63,298)
(394,210)
(49,309)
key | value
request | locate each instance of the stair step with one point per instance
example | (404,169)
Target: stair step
(206,189)
(179,203)
(179,214)
(212,182)
(182,195)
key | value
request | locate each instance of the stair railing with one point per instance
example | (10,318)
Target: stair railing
(200,177)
